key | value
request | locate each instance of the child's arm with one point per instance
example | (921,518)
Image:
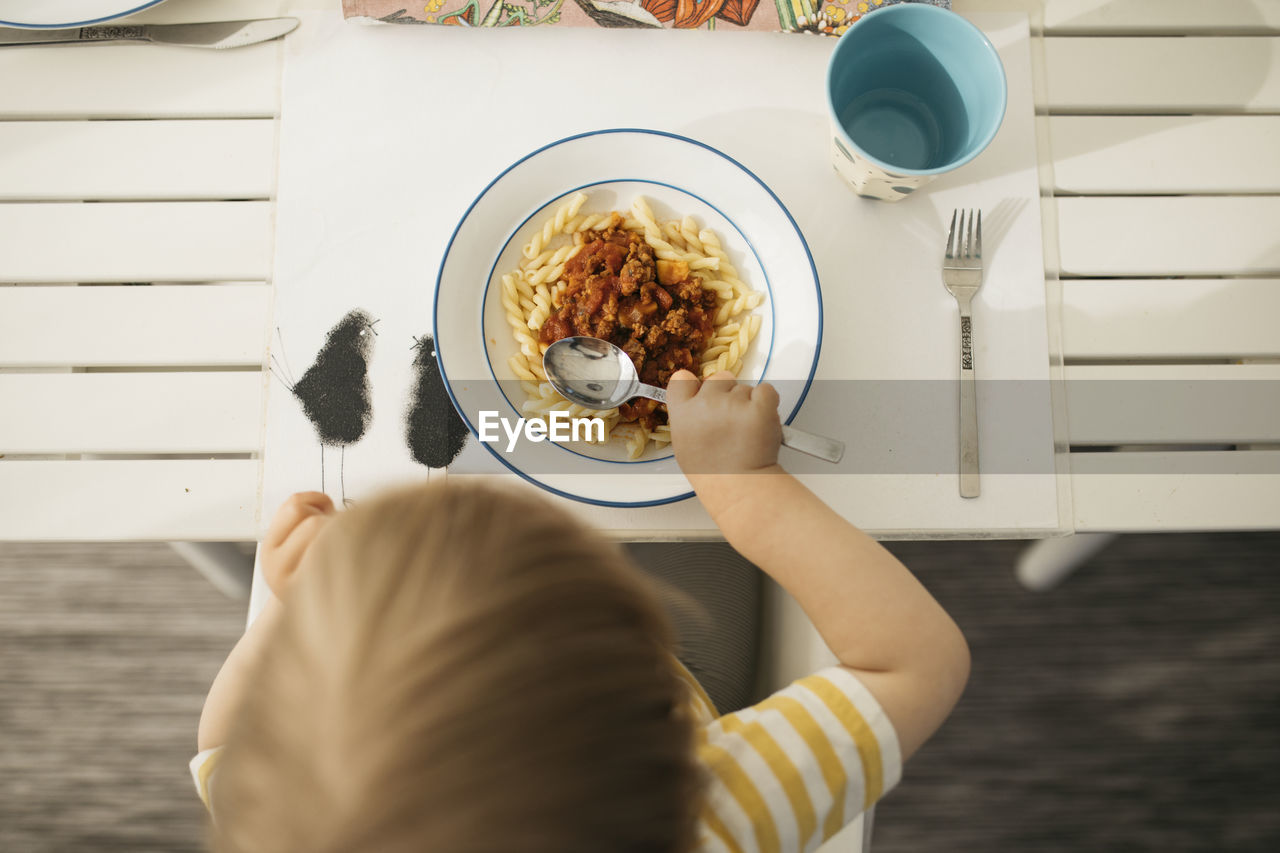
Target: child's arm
(228,686)
(871,611)
(292,531)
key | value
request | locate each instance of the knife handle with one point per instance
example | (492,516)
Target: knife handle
(109,33)
(83,34)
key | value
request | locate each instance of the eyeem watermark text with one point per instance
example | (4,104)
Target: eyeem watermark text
(558,426)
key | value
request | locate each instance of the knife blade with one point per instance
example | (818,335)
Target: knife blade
(218,35)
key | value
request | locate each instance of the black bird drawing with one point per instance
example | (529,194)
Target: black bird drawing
(334,390)
(435,433)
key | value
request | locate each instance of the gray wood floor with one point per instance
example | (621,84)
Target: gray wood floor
(106,653)
(1135,708)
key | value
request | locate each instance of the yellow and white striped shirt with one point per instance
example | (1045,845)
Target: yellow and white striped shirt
(788,773)
(785,774)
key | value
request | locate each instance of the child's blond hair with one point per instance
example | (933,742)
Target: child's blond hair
(462,669)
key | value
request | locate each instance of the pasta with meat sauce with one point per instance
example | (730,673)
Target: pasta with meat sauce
(666,293)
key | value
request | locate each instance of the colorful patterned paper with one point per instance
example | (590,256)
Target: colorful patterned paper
(829,17)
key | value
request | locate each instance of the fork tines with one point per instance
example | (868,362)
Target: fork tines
(965,242)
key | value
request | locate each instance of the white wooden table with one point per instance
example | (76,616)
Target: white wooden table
(136,186)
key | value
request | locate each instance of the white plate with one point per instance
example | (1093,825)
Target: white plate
(679,176)
(55,14)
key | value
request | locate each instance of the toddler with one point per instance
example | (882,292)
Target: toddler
(466,669)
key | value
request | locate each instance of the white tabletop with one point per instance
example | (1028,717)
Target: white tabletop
(133,329)
(389,133)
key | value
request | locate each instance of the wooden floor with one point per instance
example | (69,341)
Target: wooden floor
(1135,708)
(106,653)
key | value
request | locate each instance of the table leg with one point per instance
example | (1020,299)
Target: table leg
(1047,563)
(223,564)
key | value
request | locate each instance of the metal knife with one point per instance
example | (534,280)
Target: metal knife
(218,34)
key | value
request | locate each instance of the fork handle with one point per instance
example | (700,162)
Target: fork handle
(969,487)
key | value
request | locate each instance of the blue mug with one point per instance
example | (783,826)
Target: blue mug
(913,91)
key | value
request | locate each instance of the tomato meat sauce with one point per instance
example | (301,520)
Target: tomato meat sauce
(655,310)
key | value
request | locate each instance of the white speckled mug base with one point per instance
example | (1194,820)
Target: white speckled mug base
(868,179)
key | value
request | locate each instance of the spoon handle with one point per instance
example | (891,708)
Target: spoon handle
(653,392)
(828,449)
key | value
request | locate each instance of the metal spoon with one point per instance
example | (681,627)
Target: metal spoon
(599,375)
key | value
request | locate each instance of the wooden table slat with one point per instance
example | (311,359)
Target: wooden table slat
(1209,404)
(122,500)
(1170,319)
(140,81)
(1175,491)
(131,413)
(1168,236)
(135,241)
(207,159)
(1141,155)
(1163,75)
(179,325)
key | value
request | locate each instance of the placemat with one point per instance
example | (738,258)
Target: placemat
(828,17)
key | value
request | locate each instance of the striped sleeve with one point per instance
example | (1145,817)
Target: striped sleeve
(788,773)
(202,767)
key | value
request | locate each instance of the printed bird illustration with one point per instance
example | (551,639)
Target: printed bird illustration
(619,13)
(334,390)
(434,431)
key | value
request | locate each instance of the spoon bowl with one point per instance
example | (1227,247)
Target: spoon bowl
(594,373)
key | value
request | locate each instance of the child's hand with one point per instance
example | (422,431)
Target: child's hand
(294,527)
(723,427)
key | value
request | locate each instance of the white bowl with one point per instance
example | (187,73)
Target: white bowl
(678,176)
(63,14)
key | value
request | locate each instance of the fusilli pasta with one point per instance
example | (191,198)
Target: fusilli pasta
(534,290)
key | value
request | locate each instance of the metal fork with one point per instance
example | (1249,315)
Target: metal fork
(962,275)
